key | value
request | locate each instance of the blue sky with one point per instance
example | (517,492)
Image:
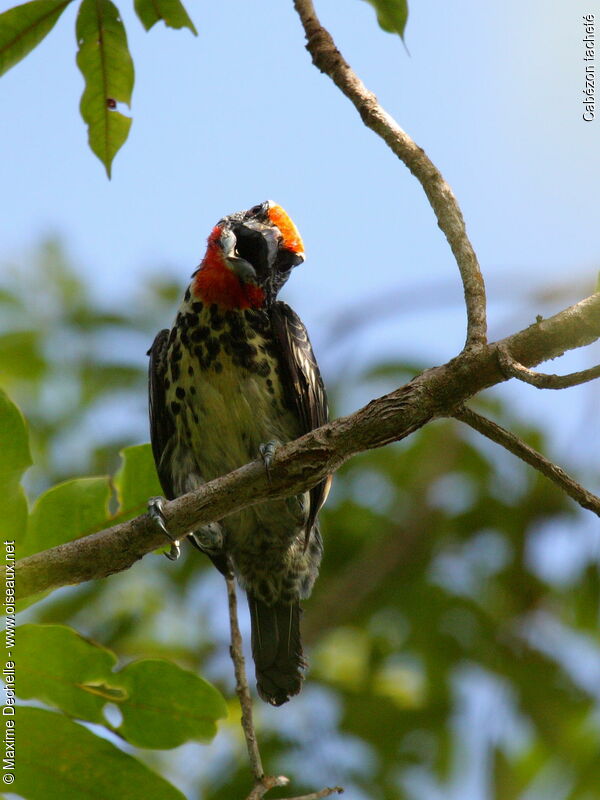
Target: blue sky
(239,114)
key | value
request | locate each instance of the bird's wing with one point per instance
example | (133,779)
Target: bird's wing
(304,386)
(162,426)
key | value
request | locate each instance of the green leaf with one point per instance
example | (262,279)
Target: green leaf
(107,67)
(63,669)
(162,705)
(136,480)
(59,758)
(15,458)
(171,12)
(391,15)
(68,511)
(20,357)
(167,705)
(23,27)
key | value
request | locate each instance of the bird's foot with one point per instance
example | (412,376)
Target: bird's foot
(267,451)
(155,511)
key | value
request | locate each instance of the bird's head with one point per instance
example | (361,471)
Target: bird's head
(249,257)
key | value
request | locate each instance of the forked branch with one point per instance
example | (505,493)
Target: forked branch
(541,380)
(301,464)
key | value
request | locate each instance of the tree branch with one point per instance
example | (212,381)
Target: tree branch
(512,369)
(241,685)
(526,453)
(262,783)
(299,465)
(329,60)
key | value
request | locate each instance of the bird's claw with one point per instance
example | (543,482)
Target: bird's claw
(155,511)
(267,451)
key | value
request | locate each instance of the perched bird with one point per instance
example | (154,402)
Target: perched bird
(233,378)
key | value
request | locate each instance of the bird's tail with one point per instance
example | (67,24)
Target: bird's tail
(276,649)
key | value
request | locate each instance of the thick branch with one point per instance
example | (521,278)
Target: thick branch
(526,453)
(329,60)
(301,464)
(541,380)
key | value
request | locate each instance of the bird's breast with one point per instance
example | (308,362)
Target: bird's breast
(225,386)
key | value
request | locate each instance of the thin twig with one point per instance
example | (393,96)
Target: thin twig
(327,792)
(329,60)
(526,453)
(262,783)
(541,380)
(241,682)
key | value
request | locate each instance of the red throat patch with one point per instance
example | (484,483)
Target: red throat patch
(216,283)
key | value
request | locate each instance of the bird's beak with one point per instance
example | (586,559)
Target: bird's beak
(239,266)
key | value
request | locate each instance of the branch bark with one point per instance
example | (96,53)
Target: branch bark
(329,60)
(541,380)
(301,464)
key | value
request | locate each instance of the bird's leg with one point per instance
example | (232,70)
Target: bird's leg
(267,451)
(155,511)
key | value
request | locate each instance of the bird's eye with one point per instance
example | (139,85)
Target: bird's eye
(256,210)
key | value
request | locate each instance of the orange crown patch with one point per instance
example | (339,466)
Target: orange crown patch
(291,236)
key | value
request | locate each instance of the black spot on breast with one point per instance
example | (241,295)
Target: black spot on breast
(190,370)
(192,320)
(201,333)
(258,321)
(175,407)
(175,371)
(172,335)
(167,383)
(212,348)
(216,319)
(187,294)
(263,368)
(197,307)
(180,392)
(192,390)
(203,361)
(236,324)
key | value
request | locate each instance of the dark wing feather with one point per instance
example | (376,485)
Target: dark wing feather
(303,384)
(163,433)
(162,427)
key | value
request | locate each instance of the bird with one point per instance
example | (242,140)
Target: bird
(234,378)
